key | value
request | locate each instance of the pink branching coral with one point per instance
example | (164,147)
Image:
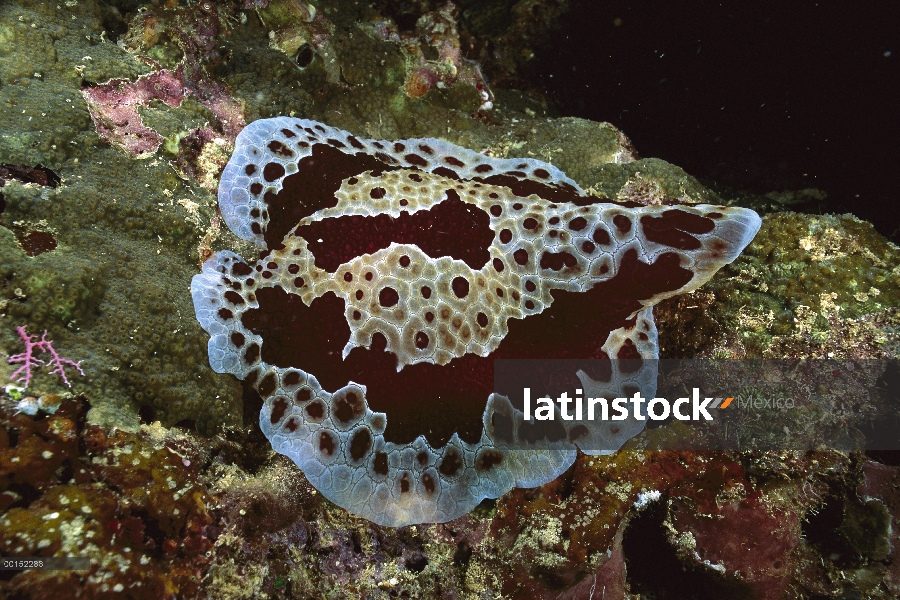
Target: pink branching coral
(29,360)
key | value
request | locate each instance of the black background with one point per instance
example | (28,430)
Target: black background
(760,96)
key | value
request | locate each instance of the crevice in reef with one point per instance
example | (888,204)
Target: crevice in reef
(655,571)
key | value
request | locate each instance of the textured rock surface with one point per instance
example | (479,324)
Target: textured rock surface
(163,511)
(129,234)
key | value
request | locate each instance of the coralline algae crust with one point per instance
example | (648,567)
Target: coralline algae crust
(395,272)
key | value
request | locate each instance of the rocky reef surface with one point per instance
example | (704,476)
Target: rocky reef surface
(115,122)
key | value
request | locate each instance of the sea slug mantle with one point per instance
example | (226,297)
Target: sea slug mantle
(395,272)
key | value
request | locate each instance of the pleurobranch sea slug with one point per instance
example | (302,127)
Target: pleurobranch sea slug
(394,273)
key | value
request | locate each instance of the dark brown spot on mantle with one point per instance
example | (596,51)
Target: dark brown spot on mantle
(449,228)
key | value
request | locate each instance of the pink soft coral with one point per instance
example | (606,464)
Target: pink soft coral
(29,360)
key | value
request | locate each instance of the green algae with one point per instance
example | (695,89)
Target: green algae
(173,123)
(801,273)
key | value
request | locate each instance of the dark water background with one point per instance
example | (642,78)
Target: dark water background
(758,95)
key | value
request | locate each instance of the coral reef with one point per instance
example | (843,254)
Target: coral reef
(163,511)
(811,286)
(129,502)
(301,32)
(435,31)
(97,247)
